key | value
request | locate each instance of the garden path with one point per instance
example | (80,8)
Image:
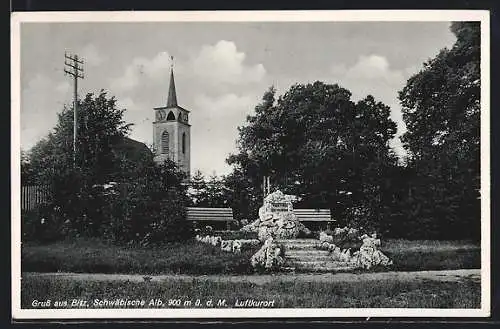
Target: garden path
(443,276)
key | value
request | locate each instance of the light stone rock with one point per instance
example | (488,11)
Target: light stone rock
(276,218)
(236,246)
(268,256)
(323,237)
(369,255)
(227,245)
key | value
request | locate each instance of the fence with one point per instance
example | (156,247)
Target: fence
(34,195)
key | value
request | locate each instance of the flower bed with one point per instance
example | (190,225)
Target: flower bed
(366,257)
(234,246)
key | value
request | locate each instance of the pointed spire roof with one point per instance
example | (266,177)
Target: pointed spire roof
(172,95)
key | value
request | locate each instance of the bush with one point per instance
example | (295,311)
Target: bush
(42,224)
(149,208)
(146,205)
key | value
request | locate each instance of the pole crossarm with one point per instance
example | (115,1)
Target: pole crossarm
(75,67)
(73,58)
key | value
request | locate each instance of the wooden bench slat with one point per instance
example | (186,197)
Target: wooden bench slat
(226,214)
(207,216)
(209,209)
(210,219)
(208,212)
(313,215)
(312,212)
(196,214)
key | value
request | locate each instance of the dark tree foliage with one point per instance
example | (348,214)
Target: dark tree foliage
(27,173)
(100,127)
(234,190)
(316,143)
(114,190)
(152,205)
(441,108)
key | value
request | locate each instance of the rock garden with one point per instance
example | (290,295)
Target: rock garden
(288,245)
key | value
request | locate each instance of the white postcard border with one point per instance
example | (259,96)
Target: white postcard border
(18,18)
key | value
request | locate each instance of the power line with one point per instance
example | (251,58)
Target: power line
(74,67)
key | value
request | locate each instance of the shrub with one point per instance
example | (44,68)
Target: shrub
(42,224)
(146,205)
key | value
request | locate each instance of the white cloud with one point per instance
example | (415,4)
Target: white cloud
(213,65)
(370,68)
(155,68)
(63,87)
(141,116)
(91,56)
(373,75)
(41,100)
(223,63)
(203,81)
(214,132)
(126,103)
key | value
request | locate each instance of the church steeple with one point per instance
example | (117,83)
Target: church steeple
(172,131)
(172,95)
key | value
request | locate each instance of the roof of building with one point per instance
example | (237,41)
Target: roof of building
(172,95)
(133,150)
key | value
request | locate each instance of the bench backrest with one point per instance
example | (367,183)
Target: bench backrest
(209,214)
(313,215)
(226,214)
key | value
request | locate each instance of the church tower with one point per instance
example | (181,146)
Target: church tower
(172,131)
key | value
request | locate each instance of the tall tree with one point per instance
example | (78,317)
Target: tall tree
(100,128)
(114,191)
(316,143)
(441,108)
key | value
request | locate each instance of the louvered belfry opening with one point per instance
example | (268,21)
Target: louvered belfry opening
(183,143)
(165,138)
(171,116)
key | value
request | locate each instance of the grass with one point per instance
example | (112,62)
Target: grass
(93,256)
(432,255)
(360,294)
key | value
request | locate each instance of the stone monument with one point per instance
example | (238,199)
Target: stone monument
(277,219)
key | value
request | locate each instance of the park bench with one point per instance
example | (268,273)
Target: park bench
(198,214)
(314,215)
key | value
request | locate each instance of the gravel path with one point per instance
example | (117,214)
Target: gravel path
(444,276)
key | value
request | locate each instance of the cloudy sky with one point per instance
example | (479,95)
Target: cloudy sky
(221,70)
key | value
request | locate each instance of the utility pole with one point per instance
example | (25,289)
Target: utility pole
(74,67)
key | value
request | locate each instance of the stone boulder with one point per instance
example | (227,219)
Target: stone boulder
(276,219)
(269,256)
(369,254)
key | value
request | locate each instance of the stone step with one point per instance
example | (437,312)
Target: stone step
(306,251)
(288,268)
(310,258)
(310,247)
(303,254)
(296,241)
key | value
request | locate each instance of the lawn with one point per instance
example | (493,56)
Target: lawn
(94,256)
(420,255)
(359,294)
